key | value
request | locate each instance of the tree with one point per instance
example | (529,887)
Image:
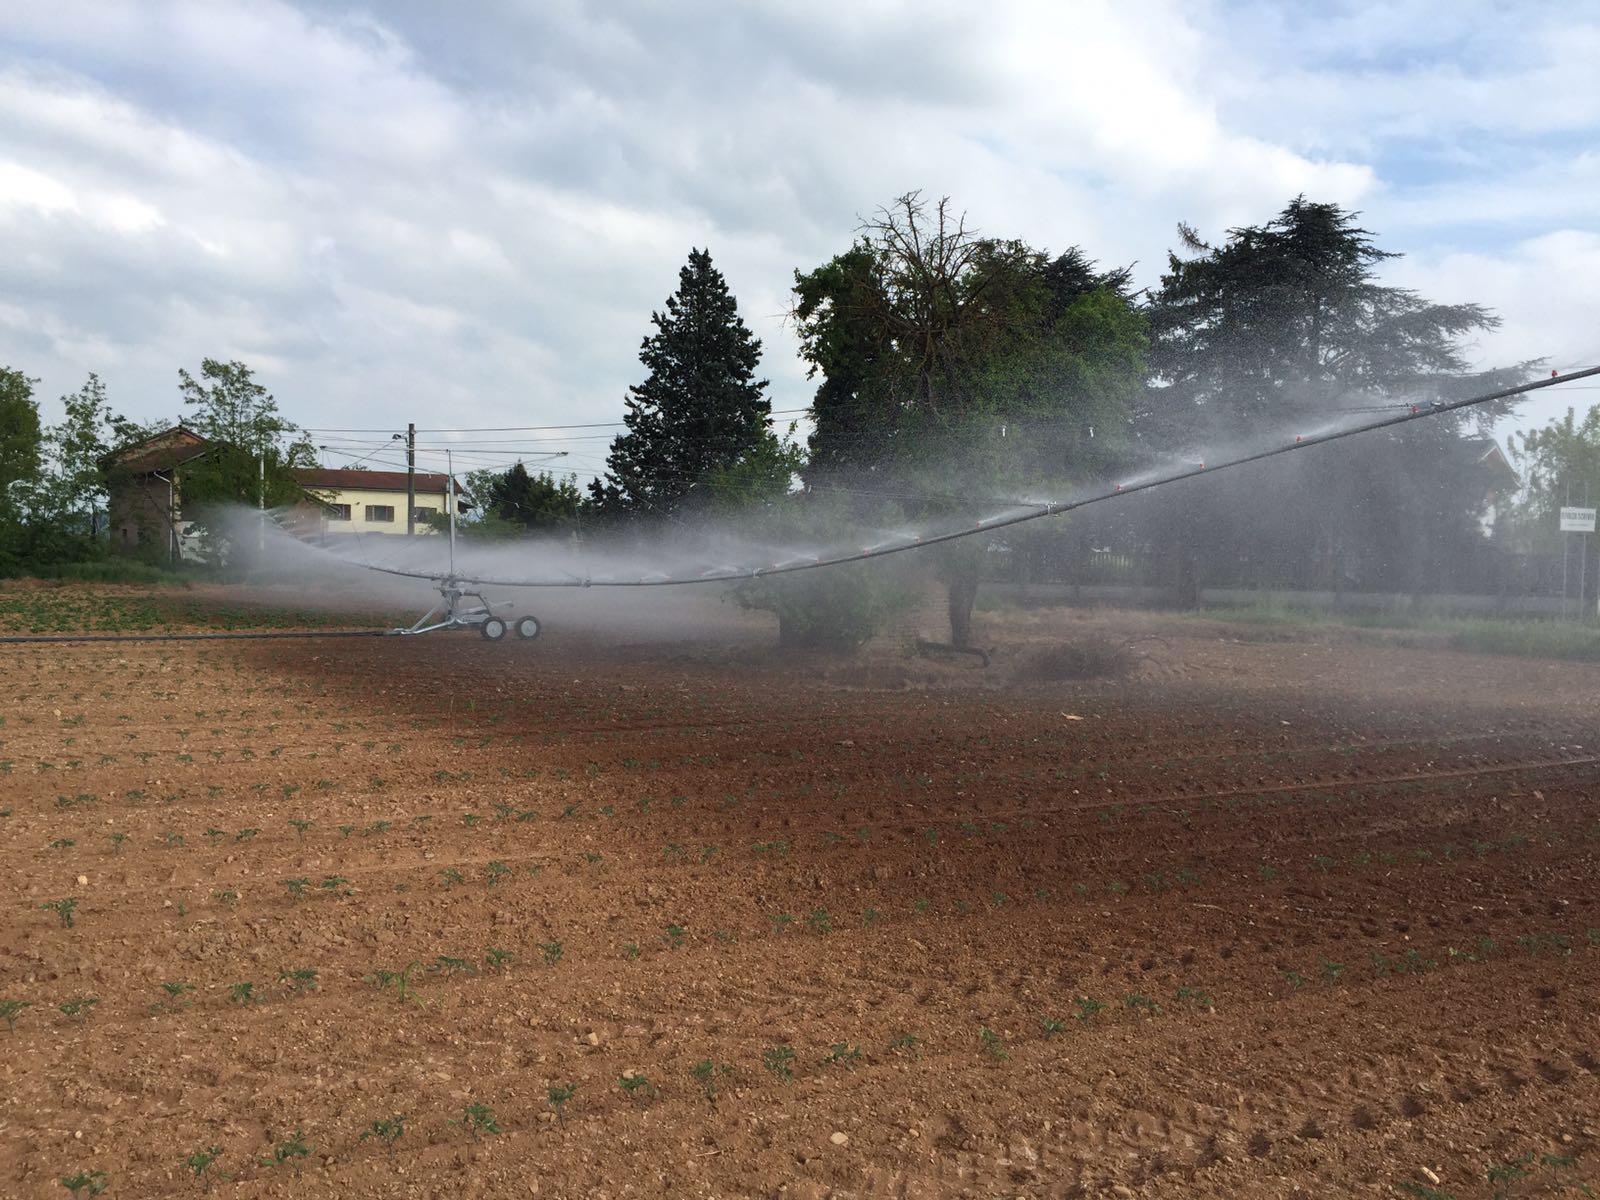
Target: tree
(1286,316)
(700,408)
(1281,327)
(251,460)
(78,447)
(20,445)
(543,502)
(1559,466)
(957,363)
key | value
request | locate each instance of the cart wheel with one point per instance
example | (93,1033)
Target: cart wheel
(492,630)
(527,628)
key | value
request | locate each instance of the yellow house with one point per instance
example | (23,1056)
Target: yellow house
(350,500)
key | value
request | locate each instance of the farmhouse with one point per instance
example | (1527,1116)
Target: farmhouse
(144,490)
(144,482)
(351,500)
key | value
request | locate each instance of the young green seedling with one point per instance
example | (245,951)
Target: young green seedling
(552,952)
(638,1087)
(200,1163)
(1050,1026)
(558,1095)
(494,871)
(297,887)
(387,1131)
(478,1119)
(400,981)
(89,1182)
(1087,1009)
(451,877)
(907,1042)
(819,921)
(10,1010)
(705,1073)
(497,958)
(78,1007)
(779,1060)
(291,1149)
(676,935)
(63,910)
(242,993)
(302,980)
(844,1054)
(993,1044)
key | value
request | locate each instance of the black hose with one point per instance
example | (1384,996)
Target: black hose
(189,637)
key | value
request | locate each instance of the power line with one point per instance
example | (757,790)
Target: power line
(781,412)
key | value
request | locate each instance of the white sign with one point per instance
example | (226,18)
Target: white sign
(1577,520)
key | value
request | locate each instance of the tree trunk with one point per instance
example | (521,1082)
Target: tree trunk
(963,591)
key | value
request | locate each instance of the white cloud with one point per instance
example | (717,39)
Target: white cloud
(393,214)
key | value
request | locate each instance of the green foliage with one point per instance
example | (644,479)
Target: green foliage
(399,980)
(706,1073)
(907,1042)
(201,1161)
(497,958)
(10,1010)
(78,1007)
(638,1087)
(1050,1026)
(513,501)
(700,408)
(676,935)
(63,910)
(552,952)
(301,979)
(558,1095)
(250,459)
(90,1183)
(779,1061)
(993,1044)
(243,993)
(389,1131)
(844,1054)
(478,1119)
(292,1149)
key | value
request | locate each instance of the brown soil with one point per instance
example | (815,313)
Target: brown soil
(1337,901)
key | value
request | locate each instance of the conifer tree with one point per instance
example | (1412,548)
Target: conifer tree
(699,411)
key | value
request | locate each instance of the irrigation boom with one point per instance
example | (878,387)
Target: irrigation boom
(450,613)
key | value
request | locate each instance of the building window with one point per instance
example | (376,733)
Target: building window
(338,512)
(422,512)
(380,512)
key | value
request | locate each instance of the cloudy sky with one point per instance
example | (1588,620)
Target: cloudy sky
(463,215)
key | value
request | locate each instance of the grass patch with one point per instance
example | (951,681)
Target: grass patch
(1577,641)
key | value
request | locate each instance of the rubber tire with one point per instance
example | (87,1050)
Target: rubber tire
(527,628)
(492,629)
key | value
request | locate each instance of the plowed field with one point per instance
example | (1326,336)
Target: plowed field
(1315,918)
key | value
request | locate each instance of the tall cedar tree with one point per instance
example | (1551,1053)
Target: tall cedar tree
(1280,326)
(699,411)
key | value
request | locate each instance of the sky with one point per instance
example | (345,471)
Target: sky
(463,216)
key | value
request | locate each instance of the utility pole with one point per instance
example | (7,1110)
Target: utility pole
(411,479)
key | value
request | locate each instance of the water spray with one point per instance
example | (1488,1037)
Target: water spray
(481,614)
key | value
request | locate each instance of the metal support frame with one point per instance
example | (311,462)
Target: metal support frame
(449,613)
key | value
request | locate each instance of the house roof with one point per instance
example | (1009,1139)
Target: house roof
(158,452)
(339,478)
